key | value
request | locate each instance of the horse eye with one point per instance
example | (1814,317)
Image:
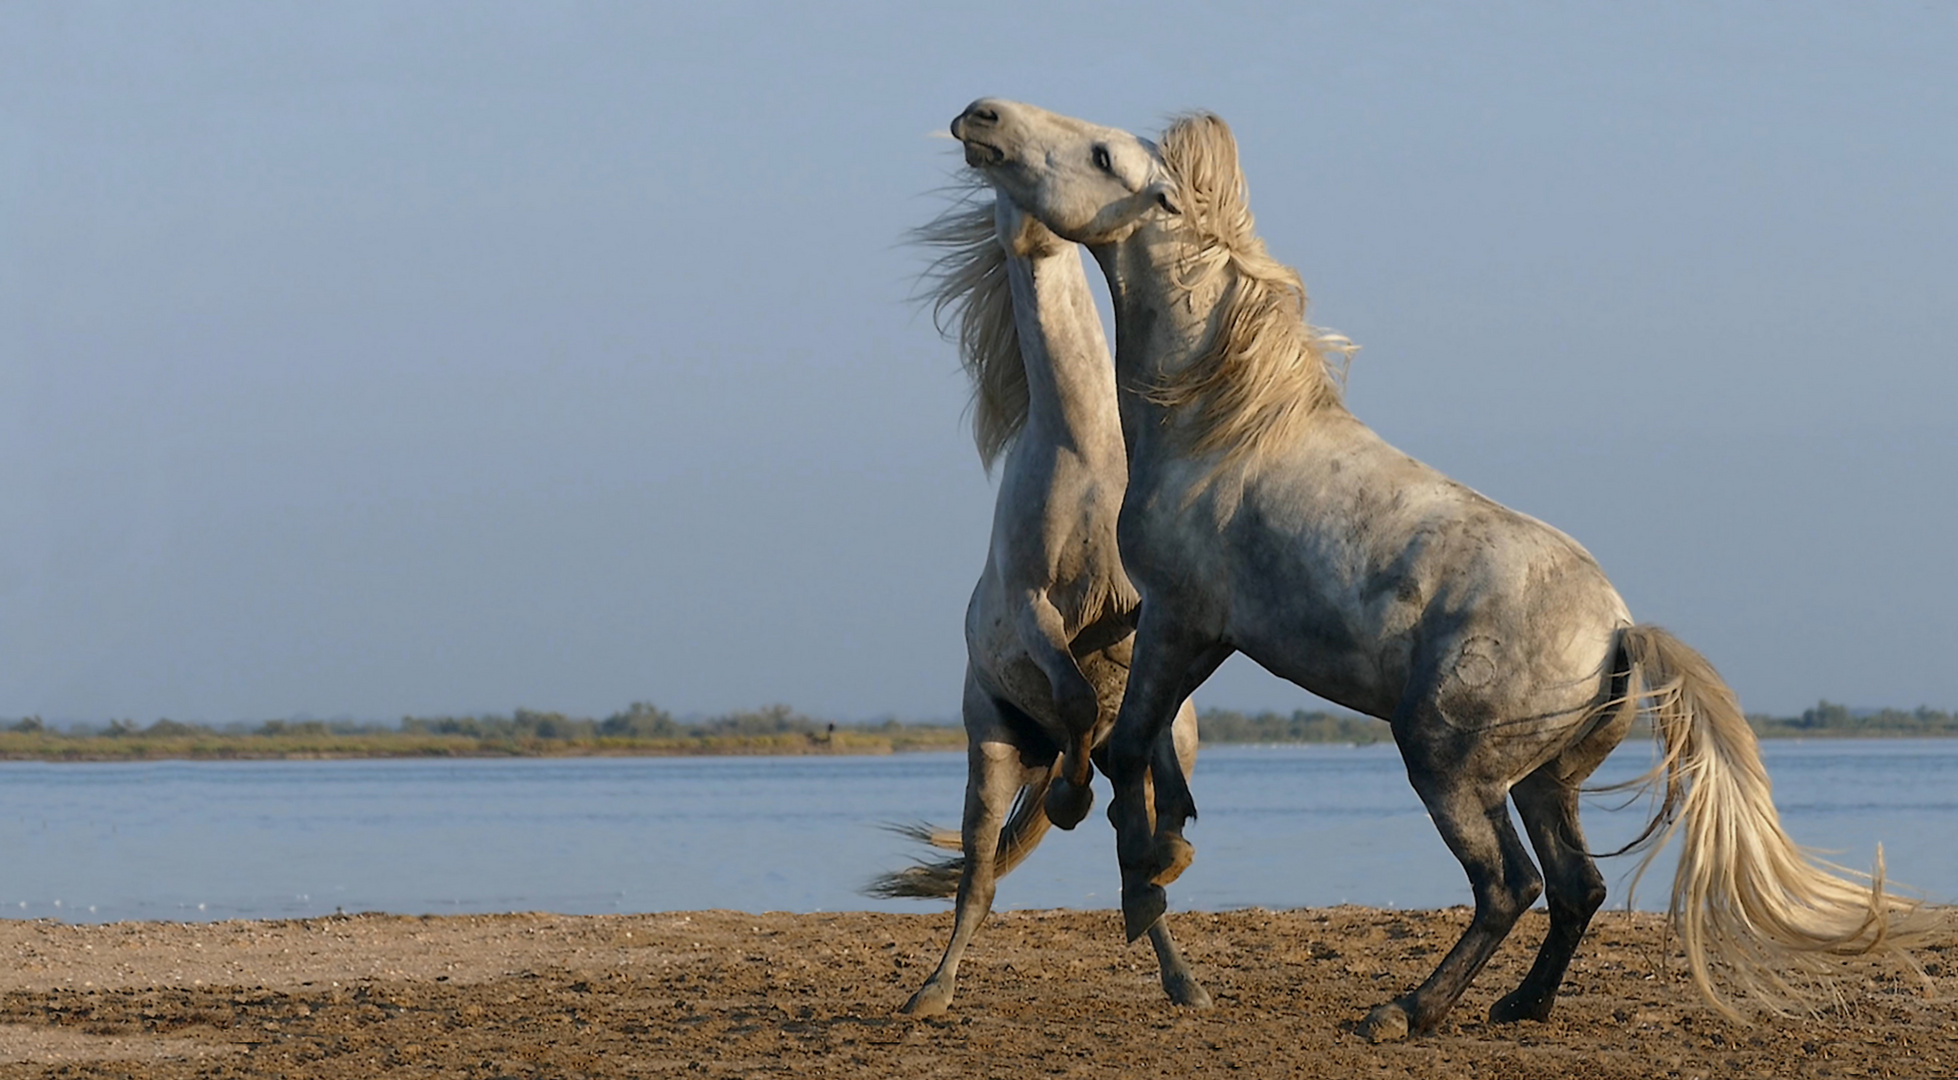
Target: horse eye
(1101,159)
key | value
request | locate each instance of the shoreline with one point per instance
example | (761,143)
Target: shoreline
(730,993)
(101,749)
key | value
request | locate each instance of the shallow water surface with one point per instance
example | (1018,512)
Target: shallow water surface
(1281,827)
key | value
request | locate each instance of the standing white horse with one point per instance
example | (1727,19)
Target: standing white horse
(1048,631)
(1262,517)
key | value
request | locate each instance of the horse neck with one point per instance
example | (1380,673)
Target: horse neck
(1160,326)
(1070,378)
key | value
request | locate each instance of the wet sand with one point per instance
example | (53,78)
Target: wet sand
(1041,994)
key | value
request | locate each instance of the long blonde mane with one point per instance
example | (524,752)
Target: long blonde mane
(1265,371)
(967,284)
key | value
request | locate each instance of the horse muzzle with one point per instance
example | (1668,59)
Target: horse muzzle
(967,128)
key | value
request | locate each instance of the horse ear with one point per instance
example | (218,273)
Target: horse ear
(1164,195)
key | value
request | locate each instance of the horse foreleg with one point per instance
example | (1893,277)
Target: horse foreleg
(1178,981)
(994,775)
(1043,634)
(1149,844)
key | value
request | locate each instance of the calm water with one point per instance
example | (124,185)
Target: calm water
(1281,827)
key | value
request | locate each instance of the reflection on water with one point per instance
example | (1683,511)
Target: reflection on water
(1281,827)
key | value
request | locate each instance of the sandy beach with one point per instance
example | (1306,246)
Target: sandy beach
(1044,993)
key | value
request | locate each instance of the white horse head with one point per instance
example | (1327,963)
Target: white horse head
(1088,183)
(1176,217)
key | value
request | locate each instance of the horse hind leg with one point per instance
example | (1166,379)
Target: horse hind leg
(1178,981)
(1473,819)
(1548,806)
(994,775)
(1546,800)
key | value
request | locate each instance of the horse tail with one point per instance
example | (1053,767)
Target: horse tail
(1025,825)
(1746,900)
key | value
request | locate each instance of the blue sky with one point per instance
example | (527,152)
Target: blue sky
(372,359)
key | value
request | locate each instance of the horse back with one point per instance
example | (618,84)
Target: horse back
(1364,575)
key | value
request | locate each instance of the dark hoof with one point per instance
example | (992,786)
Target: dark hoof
(1173,856)
(1186,992)
(1067,805)
(1387,1023)
(1142,905)
(1515,1007)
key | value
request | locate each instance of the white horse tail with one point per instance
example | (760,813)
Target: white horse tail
(1746,900)
(1024,828)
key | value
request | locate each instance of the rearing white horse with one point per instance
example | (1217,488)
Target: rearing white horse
(1048,630)
(1261,517)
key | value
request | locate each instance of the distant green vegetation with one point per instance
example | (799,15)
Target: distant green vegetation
(776,729)
(1826,720)
(1830,719)
(1227,726)
(639,729)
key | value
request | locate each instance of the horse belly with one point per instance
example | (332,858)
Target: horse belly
(1332,633)
(1332,667)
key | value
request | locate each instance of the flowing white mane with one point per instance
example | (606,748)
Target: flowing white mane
(967,284)
(1266,371)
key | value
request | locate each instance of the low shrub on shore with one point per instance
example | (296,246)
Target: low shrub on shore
(1825,720)
(639,729)
(644,729)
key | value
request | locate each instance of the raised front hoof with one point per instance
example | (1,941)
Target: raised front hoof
(1186,992)
(930,1000)
(1386,1023)
(1142,905)
(1517,1007)
(1067,805)
(1173,856)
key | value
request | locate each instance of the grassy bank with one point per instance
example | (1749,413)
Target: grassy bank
(1826,720)
(227,746)
(640,730)
(646,731)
